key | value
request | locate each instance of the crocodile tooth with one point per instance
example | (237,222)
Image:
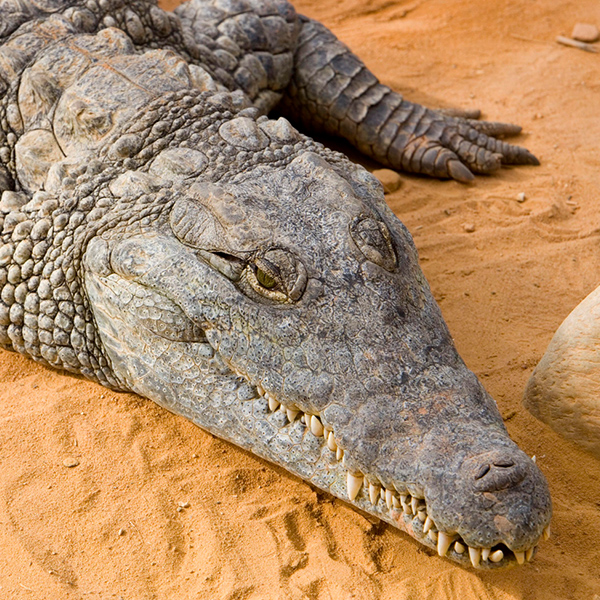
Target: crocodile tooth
(291,414)
(459,548)
(331,442)
(475,556)
(273,404)
(374,493)
(529,553)
(443,543)
(354,483)
(422,516)
(414,504)
(303,419)
(546,533)
(428,524)
(407,508)
(339,453)
(497,556)
(485,553)
(316,426)
(388,499)
(433,536)
(260,389)
(396,503)
(520,556)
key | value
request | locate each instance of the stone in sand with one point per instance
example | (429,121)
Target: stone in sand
(390,180)
(585,32)
(564,390)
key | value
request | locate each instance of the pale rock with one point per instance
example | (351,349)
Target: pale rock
(586,32)
(390,180)
(564,389)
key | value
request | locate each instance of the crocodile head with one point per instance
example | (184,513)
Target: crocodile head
(284,310)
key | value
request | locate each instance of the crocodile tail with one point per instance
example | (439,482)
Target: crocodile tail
(332,90)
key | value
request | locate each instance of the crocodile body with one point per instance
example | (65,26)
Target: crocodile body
(160,234)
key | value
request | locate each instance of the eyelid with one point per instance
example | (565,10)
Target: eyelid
(230,266)
(300,284)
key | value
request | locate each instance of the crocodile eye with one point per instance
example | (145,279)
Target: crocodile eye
(374,241)
(277,275)
(265,279)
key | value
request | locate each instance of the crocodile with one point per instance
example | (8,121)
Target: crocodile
(160,234)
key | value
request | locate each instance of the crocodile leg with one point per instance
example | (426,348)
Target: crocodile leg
(250,45)
(332,90)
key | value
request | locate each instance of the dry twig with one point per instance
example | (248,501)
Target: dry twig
(565,41)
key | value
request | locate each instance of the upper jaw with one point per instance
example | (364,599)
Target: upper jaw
(453,513)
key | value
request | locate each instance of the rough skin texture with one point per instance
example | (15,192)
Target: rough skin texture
(161,235)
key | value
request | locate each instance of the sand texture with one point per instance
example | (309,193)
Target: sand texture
(506,273)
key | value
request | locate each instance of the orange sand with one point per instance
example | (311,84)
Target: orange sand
(252,531)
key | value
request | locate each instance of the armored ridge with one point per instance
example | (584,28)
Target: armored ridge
(161,235)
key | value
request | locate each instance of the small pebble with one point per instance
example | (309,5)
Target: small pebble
(469,227)
(70,462)
(184,504)
(390,180)
(585,32)
(121,532)
(521,197)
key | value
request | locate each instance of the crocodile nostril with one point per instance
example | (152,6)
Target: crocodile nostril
(497,475)
(483,470)
(496,470)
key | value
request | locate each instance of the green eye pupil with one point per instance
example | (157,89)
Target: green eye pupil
(265,280)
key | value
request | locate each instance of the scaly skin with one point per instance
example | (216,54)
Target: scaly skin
(332,90)
(165,238)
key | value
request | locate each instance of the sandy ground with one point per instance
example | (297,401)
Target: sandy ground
(110,529)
